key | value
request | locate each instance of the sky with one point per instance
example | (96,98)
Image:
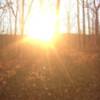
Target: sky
(67,8)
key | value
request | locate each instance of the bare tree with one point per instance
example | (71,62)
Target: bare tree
(16,15)
(95,9)
(78,16)
(94,6)
(88,17)
(9,7)
(10,21)
(58,7)
(83,7)
(68,22)
(22,17)
(1,17)
(83,21)
(57,14)
(78,22)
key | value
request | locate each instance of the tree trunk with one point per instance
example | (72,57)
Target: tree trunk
(83,22)
(22,17)
(97,27)
(78,17)
(10,21)
(78,24)
(96,23)
(83,18)
(68,23)
(16,16)
(57,17)
(88,17)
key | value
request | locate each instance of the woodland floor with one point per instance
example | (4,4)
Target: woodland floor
(28,73)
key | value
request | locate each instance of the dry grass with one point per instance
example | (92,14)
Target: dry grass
(28,73)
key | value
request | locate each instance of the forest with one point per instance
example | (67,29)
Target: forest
(49,49)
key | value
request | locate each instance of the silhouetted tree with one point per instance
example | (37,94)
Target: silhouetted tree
(95,6)
(83,8)
(84,27)
(16,16)
(88,17)
(10,21)
(78,22)
(78,17)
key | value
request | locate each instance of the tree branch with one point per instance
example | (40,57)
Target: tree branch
(9,5)
(92,9)
(98,6)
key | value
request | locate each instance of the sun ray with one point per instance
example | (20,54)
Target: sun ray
(44,23)
(41,23)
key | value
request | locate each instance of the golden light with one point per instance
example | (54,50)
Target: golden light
(41,25)
(44,22)
(41,28)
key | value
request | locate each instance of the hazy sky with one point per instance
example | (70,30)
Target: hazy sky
(67,8)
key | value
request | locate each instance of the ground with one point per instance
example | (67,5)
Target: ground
(34,73)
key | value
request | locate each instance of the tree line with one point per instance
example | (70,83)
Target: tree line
(87,16)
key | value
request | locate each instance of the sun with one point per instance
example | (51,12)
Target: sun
(41,28)
(41,25)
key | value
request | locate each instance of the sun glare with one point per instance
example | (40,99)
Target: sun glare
(43,21)
(41,25)
(41,28)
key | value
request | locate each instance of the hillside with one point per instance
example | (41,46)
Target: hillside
(62,72)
